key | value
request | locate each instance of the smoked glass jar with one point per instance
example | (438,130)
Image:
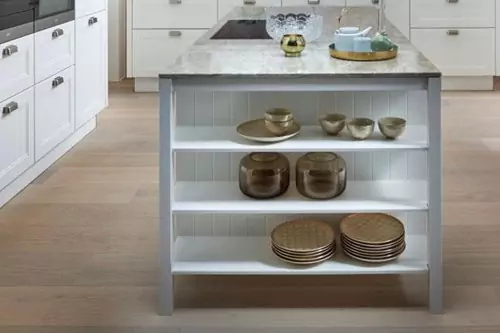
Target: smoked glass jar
(264,175)
(321,175)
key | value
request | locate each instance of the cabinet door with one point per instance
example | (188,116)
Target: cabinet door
(87,7)
(155,50)
(445,48)
(17,151)
(16,66)
(54,50)
(225,6)
(91,66)
(314,2)
(174,14)
(54,111)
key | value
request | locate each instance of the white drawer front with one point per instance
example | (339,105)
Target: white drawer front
(190,14)
(314,2)
(86,7)
(451,53)
(17,151)
(54,112)
(53,54)
(16,66)
(225,6)
(155,50)
(454,14)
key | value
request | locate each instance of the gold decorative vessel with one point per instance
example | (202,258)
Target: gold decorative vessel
(293,45)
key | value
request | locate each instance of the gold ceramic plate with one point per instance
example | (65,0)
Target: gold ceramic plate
(305,255)
(370,247)
(303,236)
(256,130)
(311,262)
(373,254)
(373,260)
(363,56)
(374,229)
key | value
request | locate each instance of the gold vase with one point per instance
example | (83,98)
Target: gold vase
(293,45)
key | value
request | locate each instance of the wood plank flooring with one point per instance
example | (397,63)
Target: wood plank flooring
(78,246)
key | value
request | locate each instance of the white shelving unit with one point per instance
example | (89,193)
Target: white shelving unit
(251,255)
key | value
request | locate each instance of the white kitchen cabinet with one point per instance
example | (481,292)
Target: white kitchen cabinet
(87,7)
(54,50)
(162,14)
(16,66)
(313,2)
(445,48)
(448,14)
(91,66)
(225,6)
(17,151)
(498,40)
(55,111)
(156,50)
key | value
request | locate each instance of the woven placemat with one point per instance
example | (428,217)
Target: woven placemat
(372,228)
(303,235)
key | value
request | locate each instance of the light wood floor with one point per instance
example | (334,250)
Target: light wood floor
(78,247)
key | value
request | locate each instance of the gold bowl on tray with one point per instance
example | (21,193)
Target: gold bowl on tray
(278,115)
(332,123)
(392,127)
(278,128)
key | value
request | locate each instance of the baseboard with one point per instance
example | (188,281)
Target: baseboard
(11,190)
(467,83)
(146,84)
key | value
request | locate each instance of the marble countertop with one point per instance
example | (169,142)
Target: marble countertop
(264,58)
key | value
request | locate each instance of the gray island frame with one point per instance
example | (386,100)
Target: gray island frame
(259,65)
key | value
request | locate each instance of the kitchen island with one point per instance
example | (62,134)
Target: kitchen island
(208,227)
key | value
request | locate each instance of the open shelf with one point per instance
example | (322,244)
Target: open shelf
(359,196)
(253,256)
(311,138)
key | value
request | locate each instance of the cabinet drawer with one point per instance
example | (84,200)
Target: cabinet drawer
(16,136)
(450,50)
(453,13)
(86,7)
(225,6)
(54,111)
(54,50)
(174,14)
(155,50)
(16,66)
(314,2)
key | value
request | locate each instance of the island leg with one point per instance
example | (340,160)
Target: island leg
(434,229)
(166,289)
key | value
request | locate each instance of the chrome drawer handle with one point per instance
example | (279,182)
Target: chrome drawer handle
(452,1)
(453,32)
(57,33)
(313,2)
(10,50)
(9,108)
(175,33)
(249,2)
(57,81)
(175,2)
(93,20)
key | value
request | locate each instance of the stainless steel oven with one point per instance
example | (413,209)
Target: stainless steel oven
(16,19)
(49,13)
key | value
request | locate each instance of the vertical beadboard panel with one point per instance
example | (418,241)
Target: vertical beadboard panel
(224,108)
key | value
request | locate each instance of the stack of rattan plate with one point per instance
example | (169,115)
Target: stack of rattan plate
(374,238)
(303,242)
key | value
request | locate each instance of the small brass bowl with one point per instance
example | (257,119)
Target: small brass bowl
(332,123)
(293,45)
(278,115)
(392,127)
(278,128)
(361,128)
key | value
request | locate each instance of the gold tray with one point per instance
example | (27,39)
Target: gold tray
(363,56)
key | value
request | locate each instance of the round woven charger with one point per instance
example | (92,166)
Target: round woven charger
(363,247)
(373,260)
(309,262)
(303,236)
(372,228)
(304,254)
(383,253)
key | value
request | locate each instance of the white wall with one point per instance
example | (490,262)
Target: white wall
(117,39)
